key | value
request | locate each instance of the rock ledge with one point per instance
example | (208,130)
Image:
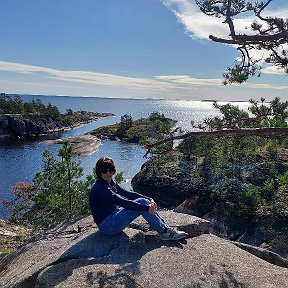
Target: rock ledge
(75,254)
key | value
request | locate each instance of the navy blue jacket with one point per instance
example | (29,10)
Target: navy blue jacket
(104,199)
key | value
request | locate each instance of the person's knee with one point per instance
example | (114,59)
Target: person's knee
(142,201)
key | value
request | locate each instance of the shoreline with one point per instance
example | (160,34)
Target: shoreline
(34,125)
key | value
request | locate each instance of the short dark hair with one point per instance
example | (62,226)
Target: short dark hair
(103,164)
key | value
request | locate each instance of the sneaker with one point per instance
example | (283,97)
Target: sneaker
(172,234)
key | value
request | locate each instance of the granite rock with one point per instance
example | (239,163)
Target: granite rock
(75,254)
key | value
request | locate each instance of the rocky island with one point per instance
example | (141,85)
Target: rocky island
(34,124)
(18,118)
(139,131)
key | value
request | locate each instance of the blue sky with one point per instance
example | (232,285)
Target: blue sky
(126,49)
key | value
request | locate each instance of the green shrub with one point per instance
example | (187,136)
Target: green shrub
(119,177)
(283,179)
(251,205)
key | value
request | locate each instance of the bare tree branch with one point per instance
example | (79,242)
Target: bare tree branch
(235,132)
(251,39)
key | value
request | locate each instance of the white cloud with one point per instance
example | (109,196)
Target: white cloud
(185,80)
(42,79)
(201,26)
(265,86)
(86,77)
(272,70)
(21,68)
(196,23)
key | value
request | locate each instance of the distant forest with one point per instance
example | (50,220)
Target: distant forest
(15,105)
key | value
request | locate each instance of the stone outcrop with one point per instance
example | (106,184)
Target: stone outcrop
(30,124)
(75,254)
(264,254)
(36,124)
(192,187)
(81,145)
(10,236)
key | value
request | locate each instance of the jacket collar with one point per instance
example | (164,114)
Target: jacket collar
(112,183)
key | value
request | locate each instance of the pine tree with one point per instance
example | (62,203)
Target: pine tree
(58,192)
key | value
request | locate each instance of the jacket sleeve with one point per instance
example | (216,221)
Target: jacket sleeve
(129,204)
(129,194)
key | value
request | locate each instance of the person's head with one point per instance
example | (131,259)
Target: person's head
(105,167)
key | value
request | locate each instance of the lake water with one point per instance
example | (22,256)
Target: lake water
(21,159)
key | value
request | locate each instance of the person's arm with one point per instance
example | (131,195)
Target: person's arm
(131,194)
(121,201)
(132,205)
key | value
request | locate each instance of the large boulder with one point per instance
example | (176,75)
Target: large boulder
(194,186)
(75,254)
(160,178)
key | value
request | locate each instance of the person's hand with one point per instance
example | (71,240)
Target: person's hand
(152,201)
(152,208)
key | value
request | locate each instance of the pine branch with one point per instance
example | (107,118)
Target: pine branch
(235,132)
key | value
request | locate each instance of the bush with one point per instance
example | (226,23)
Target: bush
(251,205)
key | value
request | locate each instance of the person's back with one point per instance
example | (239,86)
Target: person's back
(100,201)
